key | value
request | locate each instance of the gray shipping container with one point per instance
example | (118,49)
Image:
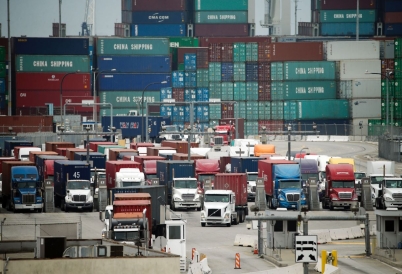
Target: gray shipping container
(365,108)
(358,50)
(359,88)
(359,69)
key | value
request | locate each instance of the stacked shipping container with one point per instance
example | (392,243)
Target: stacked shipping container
(392,15)
(3,101)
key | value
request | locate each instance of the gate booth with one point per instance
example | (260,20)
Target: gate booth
(281,234)
(389,228)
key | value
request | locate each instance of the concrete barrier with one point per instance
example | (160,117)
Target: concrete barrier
(323,236)
(330,269)
(335,138)
(245,240)
(200,267)
(357,231)
(317,138)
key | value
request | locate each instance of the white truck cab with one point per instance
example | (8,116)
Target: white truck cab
(127,177)
(186,194)
(219,208)
(389,194)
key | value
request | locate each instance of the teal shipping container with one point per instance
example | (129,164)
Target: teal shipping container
(277,110)
(264,110)
(303,90)
(103,148)
(252,110)
(132,46)
(52,63)
(323,109)
(240,110)
(252,91)
(127,99)
(215,90)
(347,16)
(213,123)
(239,71)
(3,70)
(227,91)
(239,52)
(277,71)
(177,42)
(314,70)
(251,52)
(290,110)
(251,128)
(215,71)
(220,17)
(202,5)
(215,112)
(202,78)
(239,91)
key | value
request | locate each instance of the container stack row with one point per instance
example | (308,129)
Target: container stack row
(391,11)
(131,71)
(3,100)
(52,71)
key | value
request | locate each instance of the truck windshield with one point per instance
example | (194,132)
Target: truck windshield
(377,179)
(393,184)
(343,184)
(102,175)
(306,176)
(252,177)
(131,183)
(50,177)
(203,177)
(224,198)
(151,176)
(289,184)
(126,236)
(78,185)
(185,184)
(26,185)
(171,128)
(359,175)
(31,176)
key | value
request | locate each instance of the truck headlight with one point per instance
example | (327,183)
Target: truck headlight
(335,199)
(177,199)
(227,215)
(281,198)
(202,214)
(354,199)
(304,198)
(388,198)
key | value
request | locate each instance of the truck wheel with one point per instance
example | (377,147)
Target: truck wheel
(331,207)
(203,224)
(62,208)
(383,204)
(198,208)
(242,216)
(237,220)
(229,224)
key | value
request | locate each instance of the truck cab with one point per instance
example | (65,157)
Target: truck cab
(78,195)
(127,177)
(219,208)
(186,193)
(377,171)
(389,194)
(227,132)
(22,153)
(170,132)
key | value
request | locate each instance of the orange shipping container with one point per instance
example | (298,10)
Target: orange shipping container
(114,152)
(53,146)
(260,149)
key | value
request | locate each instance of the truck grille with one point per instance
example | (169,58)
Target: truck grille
(293,197)
(188,197)
(28,199)
(79,198)
(397,196)
(345,195)
(175,136)
(218,141)
(214,213)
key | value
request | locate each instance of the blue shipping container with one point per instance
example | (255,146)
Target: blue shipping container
(180,169)
(2,85)
(190,79)
(158,30)
(190,62)
(178,79)
(126,5)
(178,114)
(251,71)
(9,146)
(190,95)
(393,6)
(341,29)
(166,110)
(135,63)
(166,93)
(202,95)
(393,29)
(40,163)
(244,164)
(50,46)
(187,113)
(159,17)
(227,70)
(96,159)
(129,81)
(69,170)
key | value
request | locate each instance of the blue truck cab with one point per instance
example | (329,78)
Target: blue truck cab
(26,187)
(288,186)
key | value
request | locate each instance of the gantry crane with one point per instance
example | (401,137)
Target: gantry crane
(89,18)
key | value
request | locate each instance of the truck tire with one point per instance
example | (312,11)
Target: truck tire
(238,219)
(383,204)
(203,224)
(229,224)
(331,207)
(242,216)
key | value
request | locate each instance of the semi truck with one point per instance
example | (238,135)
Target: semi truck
(377,171)
(72,185)
(21,187)
(128,177)
(340,187)
(227,202)
(206,169)
(9,146)
(183,191)
(389,194)
(248,165)
(308,169)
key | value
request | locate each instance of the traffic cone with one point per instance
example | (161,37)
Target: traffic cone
(255,249)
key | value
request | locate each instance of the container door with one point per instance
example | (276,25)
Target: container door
(175,236)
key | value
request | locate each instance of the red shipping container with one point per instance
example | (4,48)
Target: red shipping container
(264,91)
(94,145)
(114,152)
(154,151)
(149,167)
(152,5)
(2,159)
(237,182)
(387,64)
(201,52)
(264,71)
(271,125)
(214,52)
(219,30)
(51,81)
(52,146)
(206,41)
(202,58)
(141,159)
(265,172)
(224,160)
(227,52)
(347,4)
(114,166)
(232,121)
(62,151)
(264,49)
(300,51)
(184,156)
(227,110)
(178,94)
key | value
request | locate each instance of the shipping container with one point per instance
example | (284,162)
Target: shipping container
(52,63)
(202,79)
(134,63)
(347,5)
(347,16)
(237,182)
(220,17)
(346,50)
(129,81)
(2,54)
(154,151)
(53,146)
(129,99)
(218,30)
(237,122)
(239,91)
(34,154)
(356,69)
(105,149)
(222,5)
(207,40)
(301,51)
(150,5)
(51,81)
(158,30)
(303,90)
(320,70)
(65,170)
(227,71)
(226,52)
(359,88)
(94,145)
(239,71)
(114,166)
(70,152)
(392,6)
(3,85)
(132,46)
(323,109)
(159,17)
(9,146)
(96,159)
(264,91)
(346,29)
(365,108)
(393,29)
(3,70)
(50,46)
(264,110)
(265,168)
(393,17)
(264,71)
(251,71)
(179,146)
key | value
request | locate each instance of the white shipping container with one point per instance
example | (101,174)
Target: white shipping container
(357,50)
(359,69)
(359,88)
(355,129)
(365,108)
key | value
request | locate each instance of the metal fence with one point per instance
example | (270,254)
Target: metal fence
(389,149)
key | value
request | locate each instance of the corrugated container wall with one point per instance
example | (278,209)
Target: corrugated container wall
(159,17)
(320,109)
(347,16)
(218,30)
(128,81)
(346,50)
(347,5)
(133,46)
(50,46)
(220,17)
(135,63)
(303,90)
(151,5)
(320,70)
(158,30)
(356,69)
(51,81)
(302,51)
(365,108)
(359,88)
(208,5)
(52,63)
(127,99)
(346,29)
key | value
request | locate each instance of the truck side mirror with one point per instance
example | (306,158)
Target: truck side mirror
(102,216)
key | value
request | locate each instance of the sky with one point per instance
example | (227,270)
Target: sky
(34,18)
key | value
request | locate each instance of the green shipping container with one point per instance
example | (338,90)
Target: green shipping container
(239,91)
(375,127)
(221,5)
(128,99)
(2,54)
(277,71)
(180,42)
(202,78)
(347,16)
(252,110)
(132,46)
(239,52)
(239,71)
(320,70)
(398,47)
(220,17)
(251,52)
(240,110)
(394,109)
(3,70)
(264,110)
(215,112)
(398,67)
(102,148)
(180,66)
(52,63)
(215,71)
(215,90)
(303,90)
(277,110)
(323,109)
(227,91)
(251,128)
(213,123)
(391,88)
(290,110)
(252,91)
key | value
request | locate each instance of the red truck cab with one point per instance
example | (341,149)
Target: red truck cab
(206,169)
(226,132)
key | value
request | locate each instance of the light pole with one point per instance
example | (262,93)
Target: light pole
(61,94)
(289,131)
(142,105)
(96,74)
